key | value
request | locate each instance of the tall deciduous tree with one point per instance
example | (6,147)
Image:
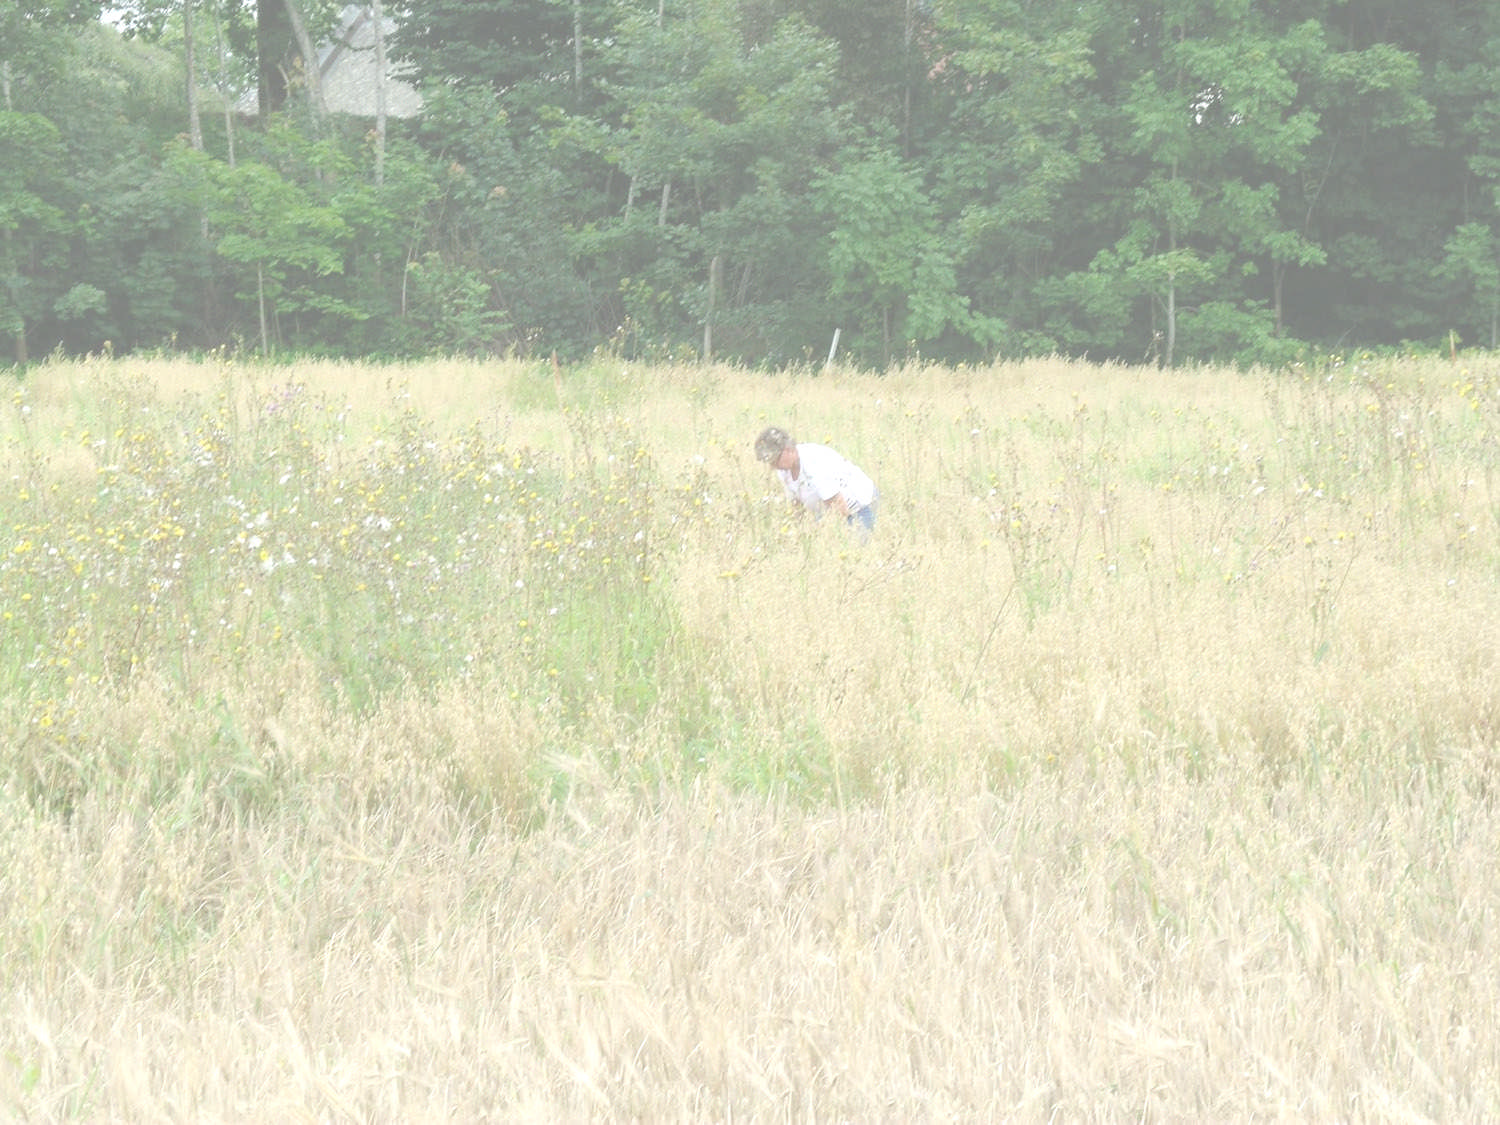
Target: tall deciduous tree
(1215,122)
(277,230)
(881,70)
(34,47)
(30,147)
(1366,197)
(287,35)
(720,139)
(890,267)
(1466,94)
(533,53)
(1016,87)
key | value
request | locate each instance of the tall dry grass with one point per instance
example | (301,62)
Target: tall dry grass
(1139,767)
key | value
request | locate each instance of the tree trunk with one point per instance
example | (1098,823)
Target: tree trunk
(20,336)
(195,123)
(1171,322)
(577,53)
(1278,286)
(377,13)
(226,103)
(229,132)
(260,296)
(312,72)
(8,246)
(1171,343)
(715,273)
(908,34)
(273,41)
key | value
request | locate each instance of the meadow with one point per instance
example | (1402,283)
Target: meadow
(484,742)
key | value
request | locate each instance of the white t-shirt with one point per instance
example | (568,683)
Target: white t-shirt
(824,474)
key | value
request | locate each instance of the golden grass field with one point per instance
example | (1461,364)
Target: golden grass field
(473,742)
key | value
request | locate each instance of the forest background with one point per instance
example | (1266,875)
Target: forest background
(1172,181)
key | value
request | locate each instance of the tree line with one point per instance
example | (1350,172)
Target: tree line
(1168,181)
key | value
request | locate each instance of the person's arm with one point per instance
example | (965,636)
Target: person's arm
(838,504)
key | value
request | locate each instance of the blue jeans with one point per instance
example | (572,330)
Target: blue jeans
(864,518)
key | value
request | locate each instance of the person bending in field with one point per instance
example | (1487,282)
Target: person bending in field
(820,479)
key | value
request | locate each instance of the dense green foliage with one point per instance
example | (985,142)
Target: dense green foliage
(1169,180)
